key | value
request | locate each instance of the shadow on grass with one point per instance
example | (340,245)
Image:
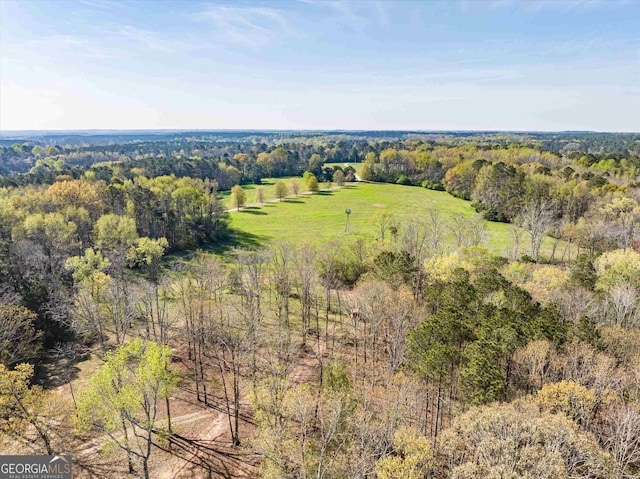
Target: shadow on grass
(294,201)
(54,371)
(325,193)
(253,211)
(237,239)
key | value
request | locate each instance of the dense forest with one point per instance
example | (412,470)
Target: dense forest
(138,335)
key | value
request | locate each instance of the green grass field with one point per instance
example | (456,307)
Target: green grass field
(321,217)
(268,185)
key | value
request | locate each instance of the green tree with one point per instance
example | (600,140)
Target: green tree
(312,184)
(234,175)
(624,214)
(574,400)
(84,266)
(57,236)
(114,233)
(516,440)
(366,173)
(25,408)
(460,180)
(19,339)
(617,268)
(51,150)
(383,219)
(498,191)
(412,458)
(146,253)
(238,197)
(121,399)
(483,377)
(37,151)
(315,164)
(434,349)
(281,190)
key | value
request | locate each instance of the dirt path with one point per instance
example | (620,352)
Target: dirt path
(202,440)
(201,444)
(183,466)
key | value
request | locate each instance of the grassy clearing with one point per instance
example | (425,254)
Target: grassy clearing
(268,185)
(321,217)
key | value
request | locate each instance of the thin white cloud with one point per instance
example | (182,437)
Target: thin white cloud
(78,46)
(562,5)
(356,15)
(100,4)
(536,6)
(151,40)
(252,27)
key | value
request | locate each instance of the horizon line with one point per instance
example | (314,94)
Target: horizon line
(294,130)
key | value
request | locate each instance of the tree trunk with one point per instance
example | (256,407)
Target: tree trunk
(127,448)
(435,435)
(204,384)
(168,416)
(226,397)
(236,404)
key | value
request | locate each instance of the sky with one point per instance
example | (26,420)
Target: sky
(311,64)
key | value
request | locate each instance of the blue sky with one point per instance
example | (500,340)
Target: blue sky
(497,65)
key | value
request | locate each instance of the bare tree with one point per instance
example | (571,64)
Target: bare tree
(230,338)
(477,230)
(19,339)
(369,302)
(417,240)
(260,195)
(250,275)
(537,217)
(104,304)
(154,307)
(282,279)
(621,305)
(295,186)
(400,318)
(160,323)
(383,220)
(467,231)
(516,235)
(620,433)
(306,281)
(120,308)
(87,316)
(328,269)
(534,362)
(436,229)
(458,227)
(200,293)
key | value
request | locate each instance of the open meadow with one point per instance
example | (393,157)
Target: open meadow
(304,239)
(268,186)
(321,217)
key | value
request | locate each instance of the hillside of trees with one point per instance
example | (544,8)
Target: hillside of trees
(137,336)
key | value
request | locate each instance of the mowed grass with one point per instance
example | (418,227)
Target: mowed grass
(321,217)
(268,185)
